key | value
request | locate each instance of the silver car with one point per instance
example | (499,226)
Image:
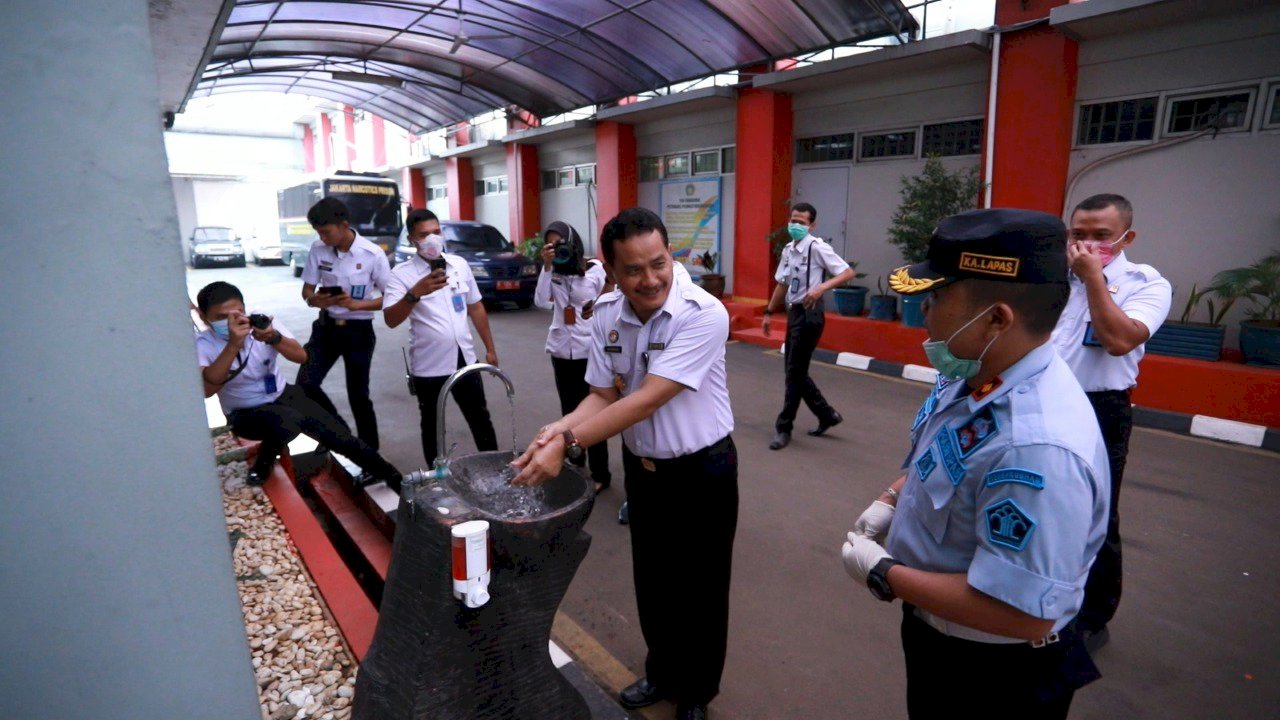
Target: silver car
(212,245)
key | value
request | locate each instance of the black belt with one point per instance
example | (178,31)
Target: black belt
(695,457)
(327,319)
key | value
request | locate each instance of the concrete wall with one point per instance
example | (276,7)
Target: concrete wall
(439,206)
(574,205)
(116,587)
(1206,205)
(493,209)
(898,101)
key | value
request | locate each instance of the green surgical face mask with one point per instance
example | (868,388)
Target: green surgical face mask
(797,231)
(946,363)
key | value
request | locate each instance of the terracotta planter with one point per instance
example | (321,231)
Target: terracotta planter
(714,284)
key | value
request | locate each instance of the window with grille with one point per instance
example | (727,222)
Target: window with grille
(887,145)
(1273,117)
(585,175)
(437,192)
(676,165)
(963,137)
(1229,111)
(1117,121)
(565,177)
(706,162)
(729,160)
(825,148)
(650,169)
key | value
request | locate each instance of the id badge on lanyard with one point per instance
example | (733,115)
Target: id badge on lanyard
(458,304)
(269,383)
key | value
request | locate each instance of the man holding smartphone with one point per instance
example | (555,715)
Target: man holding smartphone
(437,293)
(343,270)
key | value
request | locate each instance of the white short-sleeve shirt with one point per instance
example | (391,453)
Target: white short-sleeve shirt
(556,292)
(438,323)
(1142,294)
(261,380)
(803,263)
(359,271)
(683,341)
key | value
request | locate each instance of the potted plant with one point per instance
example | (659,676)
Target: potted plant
(531,247)
(850,298)
(1184,338)
(926,199)
(1259,283)
(883,305)
(712,281)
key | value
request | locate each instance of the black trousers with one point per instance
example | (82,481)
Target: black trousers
(684,514)
(571,384)
(292,414)
(804,329)
(353,344)
(950,678)
(469,394)
(1102,589)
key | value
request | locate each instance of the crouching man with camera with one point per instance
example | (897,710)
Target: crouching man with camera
(238,360)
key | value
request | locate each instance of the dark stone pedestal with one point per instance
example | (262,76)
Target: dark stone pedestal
(433,658)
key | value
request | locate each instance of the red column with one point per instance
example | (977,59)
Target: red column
(461,179)
(308,149)
(616,170)
(413,187)
(379,142)
(1035,106)
(326,140)
(522,191)
(349,132)
(764,141)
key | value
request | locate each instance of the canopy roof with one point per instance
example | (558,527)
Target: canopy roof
(432,63)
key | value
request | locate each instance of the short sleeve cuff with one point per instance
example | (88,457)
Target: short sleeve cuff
(1025,590)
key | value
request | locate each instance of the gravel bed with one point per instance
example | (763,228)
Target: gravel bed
(303,667)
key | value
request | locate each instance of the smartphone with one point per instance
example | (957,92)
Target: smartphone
(437,264)
(330,290)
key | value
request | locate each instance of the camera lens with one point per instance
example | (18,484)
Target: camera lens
(564,253)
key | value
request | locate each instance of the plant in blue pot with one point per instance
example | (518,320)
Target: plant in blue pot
(1196,340)
(1258,283)
(883,305)
(851,298)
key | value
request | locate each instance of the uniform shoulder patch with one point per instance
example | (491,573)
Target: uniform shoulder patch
(925,464)
(1008,525)
(1019,476)
(976,431)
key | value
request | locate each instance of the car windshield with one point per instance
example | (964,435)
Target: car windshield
(214,234)
(474,238)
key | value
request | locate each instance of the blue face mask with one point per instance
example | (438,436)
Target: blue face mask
(797,231)
(946,363)
(221,329)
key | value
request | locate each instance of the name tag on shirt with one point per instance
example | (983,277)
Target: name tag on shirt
(269,384)
(616,349)
(657,346)
(458,305)
(357,292)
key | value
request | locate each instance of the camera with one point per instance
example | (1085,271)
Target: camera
(260,321)
(563,254)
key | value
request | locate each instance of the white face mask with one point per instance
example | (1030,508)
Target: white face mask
(431,247)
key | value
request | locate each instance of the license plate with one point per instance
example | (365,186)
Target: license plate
(220,258)
(508,284)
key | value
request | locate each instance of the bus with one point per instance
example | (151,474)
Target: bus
(372,200)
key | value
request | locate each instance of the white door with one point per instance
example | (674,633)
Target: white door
(827,190)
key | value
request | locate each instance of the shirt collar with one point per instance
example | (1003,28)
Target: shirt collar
(1117,267)
(1031,364)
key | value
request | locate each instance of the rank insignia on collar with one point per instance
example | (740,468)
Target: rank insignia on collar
(1008,525)
(613,336)
(976,431)
(988,388)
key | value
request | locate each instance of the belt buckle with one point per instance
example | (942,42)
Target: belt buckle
(339,321)
(1049,639)
(647,464)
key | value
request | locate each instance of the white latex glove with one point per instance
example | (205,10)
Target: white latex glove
(860,555)
(874,521)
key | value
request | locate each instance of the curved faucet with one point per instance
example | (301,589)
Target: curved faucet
(441,448)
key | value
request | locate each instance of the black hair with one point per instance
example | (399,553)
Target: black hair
(1038,305)
(419,215)
(806,208)
(628,224)
(1102,201)
(571,257)
(216,293)
(328,211)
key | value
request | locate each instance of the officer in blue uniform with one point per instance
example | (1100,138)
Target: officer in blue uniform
(989,535)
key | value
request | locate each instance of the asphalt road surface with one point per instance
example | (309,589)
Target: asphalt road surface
(1197,631)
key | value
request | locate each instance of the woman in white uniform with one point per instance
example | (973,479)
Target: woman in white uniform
(568,286)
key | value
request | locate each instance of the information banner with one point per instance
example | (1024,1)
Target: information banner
(690,209)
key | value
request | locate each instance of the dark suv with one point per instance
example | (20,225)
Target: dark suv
(502,273)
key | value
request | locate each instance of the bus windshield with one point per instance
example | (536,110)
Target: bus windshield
(374,207)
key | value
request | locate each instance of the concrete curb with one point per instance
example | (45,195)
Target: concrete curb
(1239,433)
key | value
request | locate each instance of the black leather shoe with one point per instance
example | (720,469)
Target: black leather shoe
(691,712)
(780,441)
(827,424)
(640,693)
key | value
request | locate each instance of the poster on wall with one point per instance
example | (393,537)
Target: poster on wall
(691,212)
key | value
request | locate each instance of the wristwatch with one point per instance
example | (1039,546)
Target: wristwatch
(572,449)
(878,580)
(411,297)
(275,338)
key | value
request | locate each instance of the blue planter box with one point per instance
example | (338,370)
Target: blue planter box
(883,307)
(850,300)
(1260,343)
(912,310)
(1190,340)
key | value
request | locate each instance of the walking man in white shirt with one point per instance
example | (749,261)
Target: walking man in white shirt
(1114,307)
(342,272)
(437,293)
(657,376)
